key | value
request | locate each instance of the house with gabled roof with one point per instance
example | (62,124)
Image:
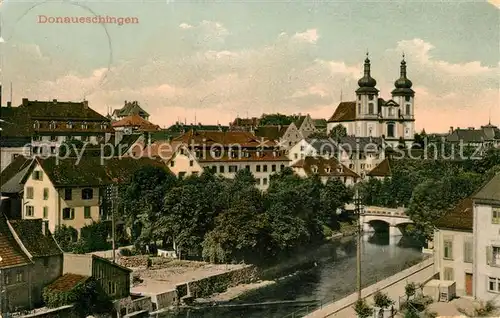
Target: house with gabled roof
(326,169)
(286,136)
(130,108)
(305,124)
(70,191)
(454,247)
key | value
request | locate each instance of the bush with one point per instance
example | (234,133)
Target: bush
(362,309)
(125,252)
(327,232)
(410,290)
(382,300)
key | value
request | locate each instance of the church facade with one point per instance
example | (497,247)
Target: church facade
(372,116)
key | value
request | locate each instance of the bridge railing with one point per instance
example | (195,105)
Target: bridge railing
(373,210)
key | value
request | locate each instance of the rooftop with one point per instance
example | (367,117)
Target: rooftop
(325,167)
(34,240)
(489,192)
(137,122)
(461,217)
(11,253)
(67,282)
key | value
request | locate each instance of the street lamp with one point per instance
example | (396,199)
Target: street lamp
(358,211)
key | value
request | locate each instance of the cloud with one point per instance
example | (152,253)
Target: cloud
(185,26)
(286,76)
(310,36)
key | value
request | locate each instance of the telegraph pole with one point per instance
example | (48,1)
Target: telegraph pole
(113,208)
(359,232)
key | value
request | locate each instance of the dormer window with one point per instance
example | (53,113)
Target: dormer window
(36,124)
(69,125)
(314,169)
(328,169)
(52,125)
(104,125)
(84,125)
(339,169)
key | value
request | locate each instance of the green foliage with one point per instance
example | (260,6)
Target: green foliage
(87,298)
(337,132)
(410,290)
(94,237)
(382,300)
(362,309)
(276,119)
(411,312)
(66,237)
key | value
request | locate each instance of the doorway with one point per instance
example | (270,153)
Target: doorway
(468,284)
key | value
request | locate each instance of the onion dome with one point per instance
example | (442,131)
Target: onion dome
(367,83)
(403,84)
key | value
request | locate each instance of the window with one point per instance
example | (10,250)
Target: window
(182,174)
(359,97)
(257,168)
(407,98)
(37,175)
(296,156)
(359,108)
(195,173)
(53,138)
(370,131)
(282,167)
(36,124)
(68,195)
(264,181)
(257,181)
(6,279)
(45,193)
(314,169)
(448,273)
(111,288)
(233,168)
(20,277)
(493,255)
(52,125)
(87,194)
(69,125)
(391,111)
(30,210)
(370,97)
(247,168)
(45,212)
(370,109)
(273,168)
(468,250)
(265,168)
(84,125)
(191,163)
(86,212)
(407,131)
(302,148)
(68,214)
(29,193)
(221,169)
(172,163)
(390,130)
(53,150)
(327,169)
(448,249)
(495,216)
(494,284)
(408,109)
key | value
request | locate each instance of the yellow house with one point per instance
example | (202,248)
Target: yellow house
(70,191)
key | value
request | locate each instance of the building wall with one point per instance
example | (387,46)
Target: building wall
(301,150)
(457,264)
(38,203)
(45,271)
(114,280)
(184,164)
(307,127)
(291,136)
(17,294)
(79,205)
(485,234)
(263,177)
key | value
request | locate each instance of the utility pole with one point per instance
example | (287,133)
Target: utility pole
(113,208)
(359,233)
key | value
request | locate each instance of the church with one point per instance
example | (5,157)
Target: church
(372,116)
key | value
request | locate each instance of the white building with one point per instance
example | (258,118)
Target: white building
(326,169)
(453,252)
(371,116)
(487,241)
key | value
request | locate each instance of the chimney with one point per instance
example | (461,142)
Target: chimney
(125,102)
(9,104)
(25,102)
(54,101)
(451,130)
(85,104)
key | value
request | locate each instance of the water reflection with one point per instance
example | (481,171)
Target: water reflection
(333,278)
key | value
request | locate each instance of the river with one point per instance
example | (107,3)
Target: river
(333,278)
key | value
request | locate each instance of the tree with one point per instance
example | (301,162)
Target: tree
(142,201)
(65,236)
(338,131)
(362,309)
(334,195)
(276,119)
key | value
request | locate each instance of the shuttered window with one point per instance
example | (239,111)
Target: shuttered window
(468,250)
(448,273)
(448,248)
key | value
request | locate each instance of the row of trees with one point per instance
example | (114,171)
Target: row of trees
(430,188)
(231,220)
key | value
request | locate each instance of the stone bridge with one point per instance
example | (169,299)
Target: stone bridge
(375,219)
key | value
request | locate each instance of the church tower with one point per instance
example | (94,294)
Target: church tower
(405,97)
(366,104)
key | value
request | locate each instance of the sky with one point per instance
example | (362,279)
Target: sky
(210,61)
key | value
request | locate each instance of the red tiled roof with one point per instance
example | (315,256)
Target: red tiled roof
(250,156)
(224,138)
(67,282)
(11,253)
(336,168)
(137,122)
(383,169)
(461,217)
(346,111)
